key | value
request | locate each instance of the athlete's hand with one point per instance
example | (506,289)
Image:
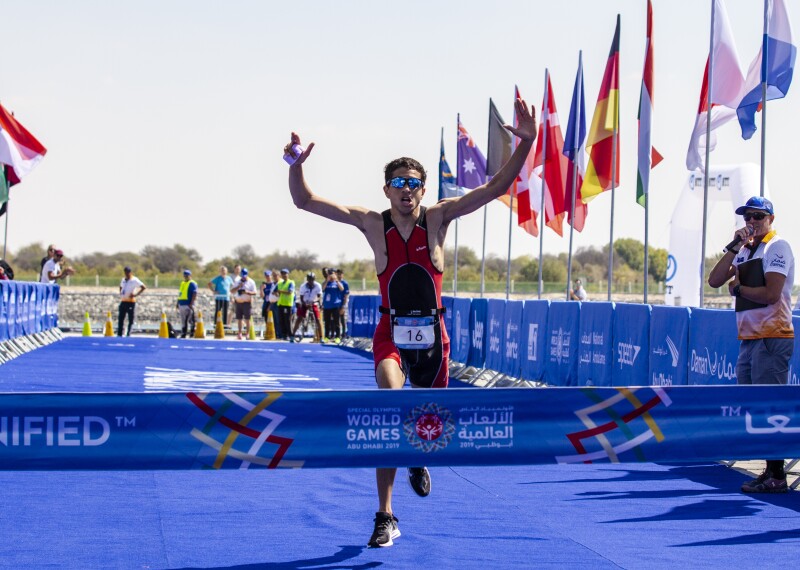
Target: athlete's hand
(526,129)
(302,157)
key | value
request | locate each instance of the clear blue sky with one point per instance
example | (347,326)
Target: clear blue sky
(165,121)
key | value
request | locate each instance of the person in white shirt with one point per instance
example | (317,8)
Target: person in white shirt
(243,292)
(578,293)
(52,272)
(310,297)
(129,288)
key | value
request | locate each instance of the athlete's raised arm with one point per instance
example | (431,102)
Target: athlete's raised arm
(305,199)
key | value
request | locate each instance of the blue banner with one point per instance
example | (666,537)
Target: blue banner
(534,339)
(669,342)
(364,317)
(27,308)
(391,428)
(512,343)
(631,364)
(477,327)
(561,367)
(447,303)
(460,338)
(713,348)
(594,353)
(794,363)
(495,316)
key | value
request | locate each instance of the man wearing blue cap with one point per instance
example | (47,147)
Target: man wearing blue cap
(187,295)
(760,268)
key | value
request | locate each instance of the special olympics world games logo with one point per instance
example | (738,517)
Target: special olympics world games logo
(429,427)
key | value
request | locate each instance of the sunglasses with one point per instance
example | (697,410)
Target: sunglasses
(400,182)
(758,216)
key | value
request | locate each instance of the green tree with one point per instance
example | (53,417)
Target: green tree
(631,251)
(29,257)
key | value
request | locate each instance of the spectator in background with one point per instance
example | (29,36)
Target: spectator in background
(577,293)
(332,299)
(3,276)
(264,291)
(244,291)
(129,288)
(345,302)
(310,294)
(50,252)
(237,275)
(6,271)
(52,272)
(187,295)
(221,286)
(273,304)
(285,289)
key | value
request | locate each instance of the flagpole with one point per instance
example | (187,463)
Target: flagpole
(542,216)
(512,192)
(5,232)
(483,251)
(574,189)
(708,154)
(455,265)
(613,188)
(764,60)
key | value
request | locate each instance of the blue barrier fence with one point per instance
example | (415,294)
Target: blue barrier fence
(27,308)
(588,344)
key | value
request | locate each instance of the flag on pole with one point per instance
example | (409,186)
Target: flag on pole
(649,157)
(18,148)
(447,182)
(526,210)
(605,124)
(499,142)
(575,151)
(775,69)
(726,91)
(550,159)
(4,186)
(471,169)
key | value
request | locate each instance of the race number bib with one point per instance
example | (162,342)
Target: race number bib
(413,333)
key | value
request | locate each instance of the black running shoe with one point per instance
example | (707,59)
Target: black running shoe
(420,480)
(385,531)
(766,483)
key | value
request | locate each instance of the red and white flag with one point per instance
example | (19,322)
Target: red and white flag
(18,148)
(554,164)
(526,212)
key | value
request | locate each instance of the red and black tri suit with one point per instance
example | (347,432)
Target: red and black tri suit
(411,282)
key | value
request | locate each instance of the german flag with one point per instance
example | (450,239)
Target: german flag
(605,124)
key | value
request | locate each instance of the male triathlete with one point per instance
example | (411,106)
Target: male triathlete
(408,242)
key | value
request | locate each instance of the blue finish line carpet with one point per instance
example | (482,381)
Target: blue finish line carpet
(557,516)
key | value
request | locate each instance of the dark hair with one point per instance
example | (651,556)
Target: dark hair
(403,162)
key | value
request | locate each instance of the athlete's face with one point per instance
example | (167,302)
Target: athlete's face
(405,199)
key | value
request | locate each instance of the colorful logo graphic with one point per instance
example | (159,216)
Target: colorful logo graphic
(625,425)
(240,430)
(429,427)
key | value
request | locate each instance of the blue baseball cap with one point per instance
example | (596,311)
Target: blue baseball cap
(267,272)
(756,203)
(187,272)
(284,271)
(244,272)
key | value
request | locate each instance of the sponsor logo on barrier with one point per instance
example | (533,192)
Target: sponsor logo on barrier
(671,349)
(661,379)
(793,378)
(559,345)
(484,427)
(627,353)
(494,335)
(591,355)
(429,427)
(477,336)
(712,366)
(512,346)
(54,431)
(533,339)
(621,423)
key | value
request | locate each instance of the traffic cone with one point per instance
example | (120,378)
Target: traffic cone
(109,328)
(87,325)
(200,328)
(269,331)
(251,330)
(219,330)
(163,329)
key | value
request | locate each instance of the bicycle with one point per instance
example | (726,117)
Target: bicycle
(308,325)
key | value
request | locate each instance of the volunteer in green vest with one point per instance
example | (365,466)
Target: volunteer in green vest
(187,295)
(285,303)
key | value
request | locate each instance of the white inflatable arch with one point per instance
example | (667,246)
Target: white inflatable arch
(728,188)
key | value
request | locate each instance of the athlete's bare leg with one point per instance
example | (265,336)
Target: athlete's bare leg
(388,376)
